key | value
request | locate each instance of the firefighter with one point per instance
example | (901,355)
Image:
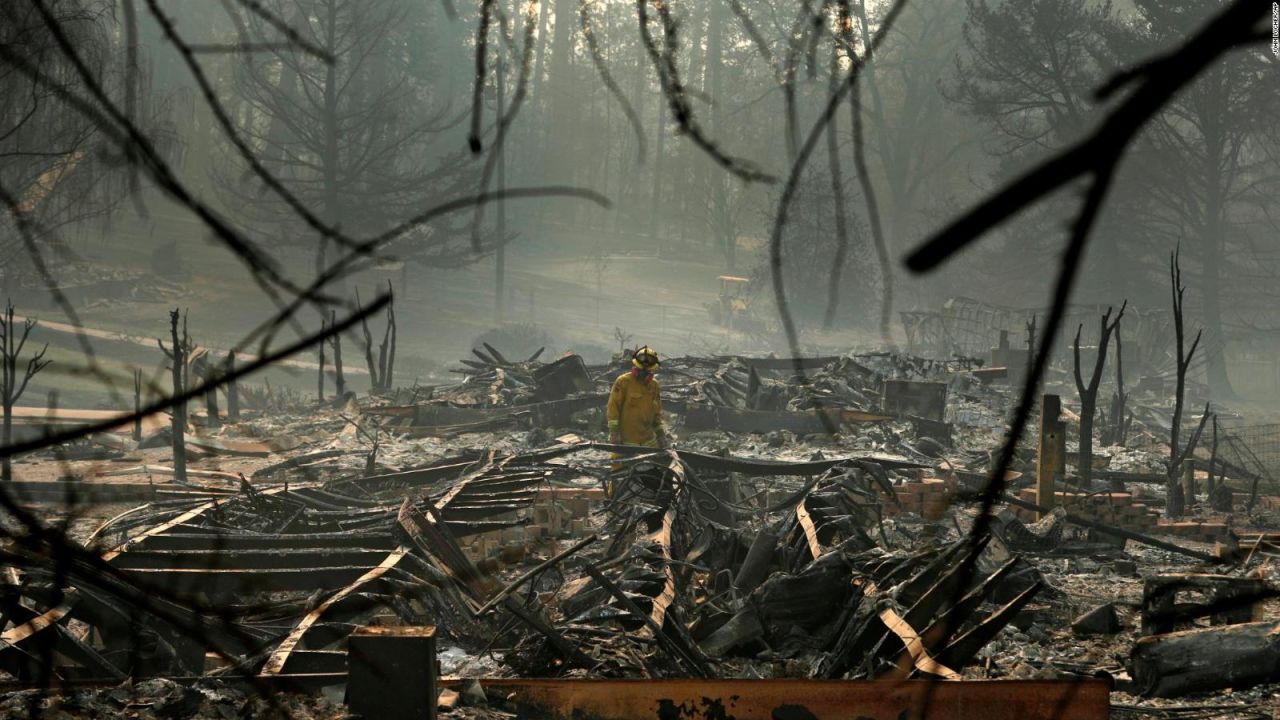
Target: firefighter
(635,404)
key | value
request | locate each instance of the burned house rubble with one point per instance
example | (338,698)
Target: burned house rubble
(470,548)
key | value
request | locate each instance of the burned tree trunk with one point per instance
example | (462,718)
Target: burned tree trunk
(1031,344)
(320,374)
(137,405)
(1211,486)
(1175,500)
(375,381)
(340,384)
(1118,420)
(1177,459)
(382,367)
(233,390)
(207,373)
(178,424)
(1232,656)
(387,351)
(11,388)
(1089,393)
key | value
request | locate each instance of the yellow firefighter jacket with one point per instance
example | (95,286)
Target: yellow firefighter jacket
(635,409)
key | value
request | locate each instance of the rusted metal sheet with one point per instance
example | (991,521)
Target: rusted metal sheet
(809,699)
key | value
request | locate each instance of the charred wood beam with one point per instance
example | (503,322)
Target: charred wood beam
(686,656)
(534,572)
(1105,528)
(228,542)
(275,663)
(250,560)
(427,530)
(241,581)
(1207,659)
(962,649)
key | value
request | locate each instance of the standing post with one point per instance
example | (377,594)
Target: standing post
(339,382)
(137,405)
(11,388)
(178,423)
(207,373)
(1189,480)
(1051,459)
(1211,485)
(320,375)
(392,672)
(233,389)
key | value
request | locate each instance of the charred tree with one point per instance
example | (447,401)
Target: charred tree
(320,373)
(1118,418)
(1211,485)
(1031,344)
(1178,459)
(335,341)
(382,367)
(55,175)
(345,140)
(1176,502)
(137,405)
(11,387)
(387,350)
(375,379)
(177,356)
(233,389)
(207,372)
(1089,393)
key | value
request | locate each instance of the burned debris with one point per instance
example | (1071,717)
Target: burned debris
(493,511)
(524,513)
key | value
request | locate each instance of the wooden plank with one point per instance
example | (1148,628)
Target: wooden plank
(160,529)
(275,663)
(1050,460)
(915,648)
(663,537)
(48,618)
(810,531)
